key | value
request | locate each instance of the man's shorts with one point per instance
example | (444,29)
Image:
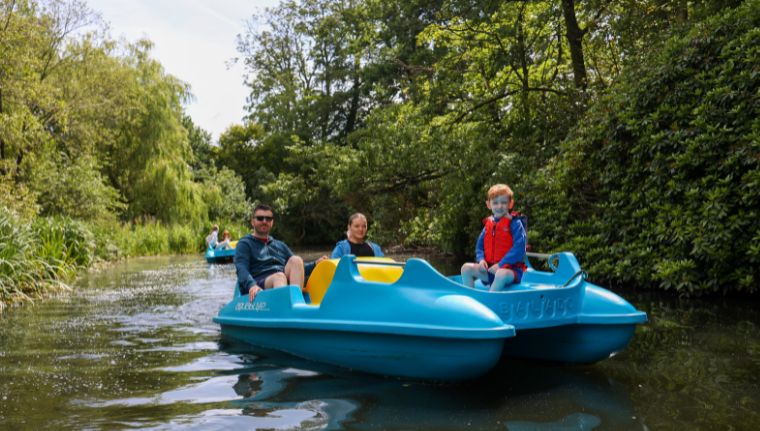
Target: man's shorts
(262,278)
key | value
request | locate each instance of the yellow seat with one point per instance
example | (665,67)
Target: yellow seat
(321,277)
(233,244)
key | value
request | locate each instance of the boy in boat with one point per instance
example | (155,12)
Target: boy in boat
(500,250)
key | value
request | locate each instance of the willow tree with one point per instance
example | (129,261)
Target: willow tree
(147,160)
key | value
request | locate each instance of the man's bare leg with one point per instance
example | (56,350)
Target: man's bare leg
(294,271)
(277,279)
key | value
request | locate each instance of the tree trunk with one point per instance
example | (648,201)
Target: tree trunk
(575,41)
(354,106)
(681,9)
(525,78)
(2,141)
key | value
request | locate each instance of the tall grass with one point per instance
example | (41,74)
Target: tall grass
(44,255)
(39,258)
(65,244)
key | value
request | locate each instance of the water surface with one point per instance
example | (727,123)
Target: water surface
(134,346)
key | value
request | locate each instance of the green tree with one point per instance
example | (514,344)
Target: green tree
(224,193)
(148,159)
(658,184)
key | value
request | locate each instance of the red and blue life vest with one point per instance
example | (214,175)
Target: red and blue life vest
(497,240)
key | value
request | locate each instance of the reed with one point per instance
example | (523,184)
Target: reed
(39,258)
(44,255)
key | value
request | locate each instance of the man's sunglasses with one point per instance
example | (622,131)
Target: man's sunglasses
(263,218)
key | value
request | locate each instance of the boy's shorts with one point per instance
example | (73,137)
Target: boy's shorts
(518,276)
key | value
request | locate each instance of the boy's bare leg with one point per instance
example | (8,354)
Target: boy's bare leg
(502,278)
(294,271)
(468,274)
(473,271)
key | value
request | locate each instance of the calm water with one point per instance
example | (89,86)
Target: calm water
(134,347)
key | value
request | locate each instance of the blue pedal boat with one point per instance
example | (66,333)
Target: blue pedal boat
(408,320)
(222,255)
(559,316)
(377,317)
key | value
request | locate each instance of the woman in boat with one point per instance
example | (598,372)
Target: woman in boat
(356,240)
(225,243)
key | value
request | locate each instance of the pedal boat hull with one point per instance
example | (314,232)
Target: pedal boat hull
(559,316)
(426,331)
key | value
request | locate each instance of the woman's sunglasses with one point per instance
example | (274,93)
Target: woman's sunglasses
(263,218)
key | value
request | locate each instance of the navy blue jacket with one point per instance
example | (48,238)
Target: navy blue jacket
(254,258)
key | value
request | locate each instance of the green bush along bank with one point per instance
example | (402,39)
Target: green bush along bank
(45,255)
(660,183)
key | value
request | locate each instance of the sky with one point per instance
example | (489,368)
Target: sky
(194,41)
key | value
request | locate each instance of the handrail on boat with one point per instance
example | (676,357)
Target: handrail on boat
(549,258)
(581,272)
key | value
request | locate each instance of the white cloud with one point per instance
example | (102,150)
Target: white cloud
(194,41)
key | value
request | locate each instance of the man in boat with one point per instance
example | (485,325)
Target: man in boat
(263,262)
(500,250)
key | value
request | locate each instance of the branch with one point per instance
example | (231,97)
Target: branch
(597,16)
(400,183)
(501,96)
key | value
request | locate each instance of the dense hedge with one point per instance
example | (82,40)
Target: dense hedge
(660,184)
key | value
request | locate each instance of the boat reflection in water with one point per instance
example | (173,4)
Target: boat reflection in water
(517,396)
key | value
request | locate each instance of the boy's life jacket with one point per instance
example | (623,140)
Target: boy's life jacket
(497,240)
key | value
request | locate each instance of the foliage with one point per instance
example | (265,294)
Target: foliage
(40,257)
(74,188)
(64,244)
(200,145)
(94,128)
(450,97)
(18,198)
(224,194)
(659,183)
(20,270)
(243,150)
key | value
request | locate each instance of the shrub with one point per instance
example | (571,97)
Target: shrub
(64,244)
(660,184)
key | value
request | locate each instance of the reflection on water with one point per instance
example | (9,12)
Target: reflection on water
(135,347)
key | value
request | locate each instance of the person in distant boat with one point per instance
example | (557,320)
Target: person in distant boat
(213,237)
(356,240)
(263,262)
(224,244)
(501,247)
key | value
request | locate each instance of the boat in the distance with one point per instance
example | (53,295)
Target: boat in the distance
(221,255)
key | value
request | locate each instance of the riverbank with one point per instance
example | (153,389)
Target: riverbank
(43,256)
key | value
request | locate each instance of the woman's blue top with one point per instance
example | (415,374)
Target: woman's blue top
(343,248)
